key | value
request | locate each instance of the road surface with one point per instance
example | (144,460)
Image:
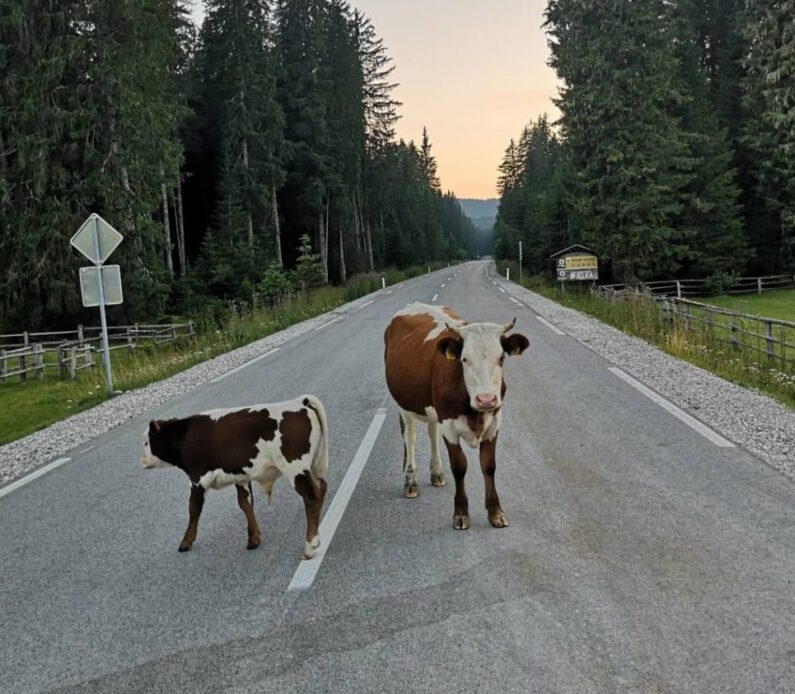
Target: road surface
(643,554)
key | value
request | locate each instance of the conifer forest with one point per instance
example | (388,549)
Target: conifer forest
(222,154)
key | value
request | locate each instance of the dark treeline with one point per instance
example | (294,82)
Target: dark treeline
(213,152)
(675,152)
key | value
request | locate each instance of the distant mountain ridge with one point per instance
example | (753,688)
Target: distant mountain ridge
(478,209)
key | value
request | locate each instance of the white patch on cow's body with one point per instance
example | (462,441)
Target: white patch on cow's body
(456,429)
(441,319)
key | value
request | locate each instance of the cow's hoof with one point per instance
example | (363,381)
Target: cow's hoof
(498,520)
(438,479)
(411,491)
(253,544)
(461,521)
(311,547)
(185,546)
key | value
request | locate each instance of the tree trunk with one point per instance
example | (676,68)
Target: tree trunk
(249,218)
(368,241)
(183,264)
(343,273)
(321,233)
(277,229)
(383,239)
(166,222)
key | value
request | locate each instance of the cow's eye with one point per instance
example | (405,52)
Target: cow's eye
(464,360)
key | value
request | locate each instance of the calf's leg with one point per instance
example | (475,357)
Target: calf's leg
(245,499)
(195,509)
(488,464)
(313,493)
(458,464)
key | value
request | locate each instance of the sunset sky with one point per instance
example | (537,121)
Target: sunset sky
(473,71)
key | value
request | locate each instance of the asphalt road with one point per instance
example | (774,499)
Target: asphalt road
(641,555)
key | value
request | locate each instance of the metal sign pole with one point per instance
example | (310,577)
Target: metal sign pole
(520,262)
(105,348)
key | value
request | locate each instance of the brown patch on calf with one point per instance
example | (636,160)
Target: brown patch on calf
(313,493)
(295,428)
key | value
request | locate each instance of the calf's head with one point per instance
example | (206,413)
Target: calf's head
(155,445)
(481,348)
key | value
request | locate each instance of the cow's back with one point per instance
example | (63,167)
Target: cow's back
(410,353)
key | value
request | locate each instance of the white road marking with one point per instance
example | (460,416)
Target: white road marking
(502,290)
(516,301)
(86,449)
(307,570)
(366,304)
(555,330)
(442,287)
(434,297)
(220,378)
(33,475)
(680,414)
(325,325)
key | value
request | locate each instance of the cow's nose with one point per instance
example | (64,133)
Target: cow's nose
(486,402)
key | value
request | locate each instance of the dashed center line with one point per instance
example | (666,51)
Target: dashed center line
(680,414)
(220,378)
(307,570)
(442,287)
(434,297)
(516,301)
(502,290)
(33,475)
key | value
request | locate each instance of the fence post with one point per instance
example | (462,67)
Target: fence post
(758,285)
(771,343)
(3,366)
(61,357)
(72,362)
(23,376)
(173,332)
(192,333)
(26,339)
(735,339)
(80,334)
(38,360)
(88,356)
(129,337)
(678,289)
(687,316)
(666,311)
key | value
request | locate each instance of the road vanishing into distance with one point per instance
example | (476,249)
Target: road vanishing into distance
(643,554)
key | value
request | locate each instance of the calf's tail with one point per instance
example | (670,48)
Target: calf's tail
(320,461)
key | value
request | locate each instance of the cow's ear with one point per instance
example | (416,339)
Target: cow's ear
(154,426)
(450,347)
(514,344)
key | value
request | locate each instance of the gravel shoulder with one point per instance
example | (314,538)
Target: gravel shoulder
(23,455)
(761,425)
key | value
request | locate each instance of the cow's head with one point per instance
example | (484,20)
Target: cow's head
(481,349)
(152,446)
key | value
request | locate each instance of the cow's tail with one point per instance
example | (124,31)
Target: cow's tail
(320,461)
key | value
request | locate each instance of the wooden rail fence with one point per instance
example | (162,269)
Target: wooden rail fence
(769,338)
(695,287)
(72,351)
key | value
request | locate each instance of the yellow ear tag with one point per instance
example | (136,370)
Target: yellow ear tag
(450,354)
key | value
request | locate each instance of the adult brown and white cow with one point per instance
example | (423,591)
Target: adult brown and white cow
(447,372)
(239,445)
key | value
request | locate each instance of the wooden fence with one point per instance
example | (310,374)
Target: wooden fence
(73,350)
(768,338)
(695,287)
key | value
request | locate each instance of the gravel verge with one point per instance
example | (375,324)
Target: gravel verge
(25,454)
(758,423)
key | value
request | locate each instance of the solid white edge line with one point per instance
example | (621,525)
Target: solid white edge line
(33,475)
(325,325)
(220,378)
(372,301)
(434,297)
(680,414)
(307,570)
(555,330)
(516,301)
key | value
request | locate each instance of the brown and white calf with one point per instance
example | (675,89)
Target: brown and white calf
(236,446)
(447,372)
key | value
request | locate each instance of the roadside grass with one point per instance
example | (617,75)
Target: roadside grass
(642,319)
(776,303)
(28,407)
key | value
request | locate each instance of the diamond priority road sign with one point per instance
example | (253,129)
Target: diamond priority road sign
(111,285)
(107,240)
(96,240)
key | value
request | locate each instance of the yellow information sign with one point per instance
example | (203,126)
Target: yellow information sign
(581,261)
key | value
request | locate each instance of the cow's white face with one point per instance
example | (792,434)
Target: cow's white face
(149,460)
(481,349)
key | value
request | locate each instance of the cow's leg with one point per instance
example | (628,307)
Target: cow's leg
(488,464)
(195,509)
(437,474)
(245,499)
(313,494)
(458,464)
(408,427)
